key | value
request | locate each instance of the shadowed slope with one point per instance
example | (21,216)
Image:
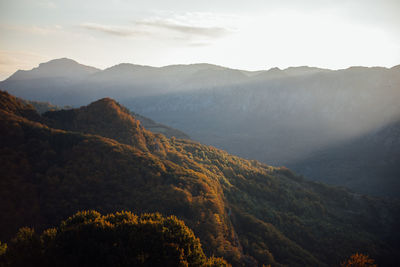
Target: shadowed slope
(245,211)
(368,164)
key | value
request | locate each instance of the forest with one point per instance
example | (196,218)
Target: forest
(99,157)
(121,239)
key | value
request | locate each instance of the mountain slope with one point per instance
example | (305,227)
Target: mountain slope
(121,239)
(155,127)
(53,79)
(149,124)
(243,210)
(57,68)
(280,117)
(369,163)
(97,118)
(281,120)
(51,173)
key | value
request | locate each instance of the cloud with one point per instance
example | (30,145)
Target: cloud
(112,30)
(192,29)
(187,30)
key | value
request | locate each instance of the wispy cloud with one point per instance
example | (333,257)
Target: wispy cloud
(188,30)
(112,30)
(191,29)
(152,28)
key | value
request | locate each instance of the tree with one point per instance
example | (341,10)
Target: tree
(120,239)
(359,260)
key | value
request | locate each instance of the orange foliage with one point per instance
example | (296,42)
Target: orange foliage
(359,260)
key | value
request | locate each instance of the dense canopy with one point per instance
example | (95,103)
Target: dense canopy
(246,212)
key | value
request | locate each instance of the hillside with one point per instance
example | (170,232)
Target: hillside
(369,163)
(284,119)
(277,116)
(42,107)
(121,239)
(249,213)
(155,127)
(149,124)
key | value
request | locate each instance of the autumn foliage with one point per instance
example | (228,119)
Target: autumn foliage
(120,239)
(359,260)
(100,158)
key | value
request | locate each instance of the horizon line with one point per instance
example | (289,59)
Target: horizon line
(204,63)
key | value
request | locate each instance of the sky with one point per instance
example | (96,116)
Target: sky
(250,35)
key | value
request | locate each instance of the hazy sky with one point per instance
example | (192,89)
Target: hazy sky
(251,34)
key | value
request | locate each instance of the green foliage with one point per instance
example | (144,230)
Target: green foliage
(120,239)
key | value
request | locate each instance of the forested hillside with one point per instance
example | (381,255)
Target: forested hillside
(277,116)
(122,239)
(149,124)
(99,157)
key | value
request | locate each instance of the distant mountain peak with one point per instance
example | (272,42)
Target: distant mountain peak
(207,65)
(56,68)
(275,69)
(128,67)
(303,70)
(66,64)
(272,73)
(397,67)
(63,60)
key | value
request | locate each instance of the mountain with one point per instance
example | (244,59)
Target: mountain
(97,118)
(99,157)
(60,81)
(149,124)
(155,127)
(284,119)
(17,107)
(277,116)
(51,79)
(287,119)
(57,68)
(369,163)
(42,107)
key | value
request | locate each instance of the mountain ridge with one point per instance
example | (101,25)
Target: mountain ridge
(149,124)
(60,68)
(356,162)
(281,116)
(97,117)
(58,61)
(246,211)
